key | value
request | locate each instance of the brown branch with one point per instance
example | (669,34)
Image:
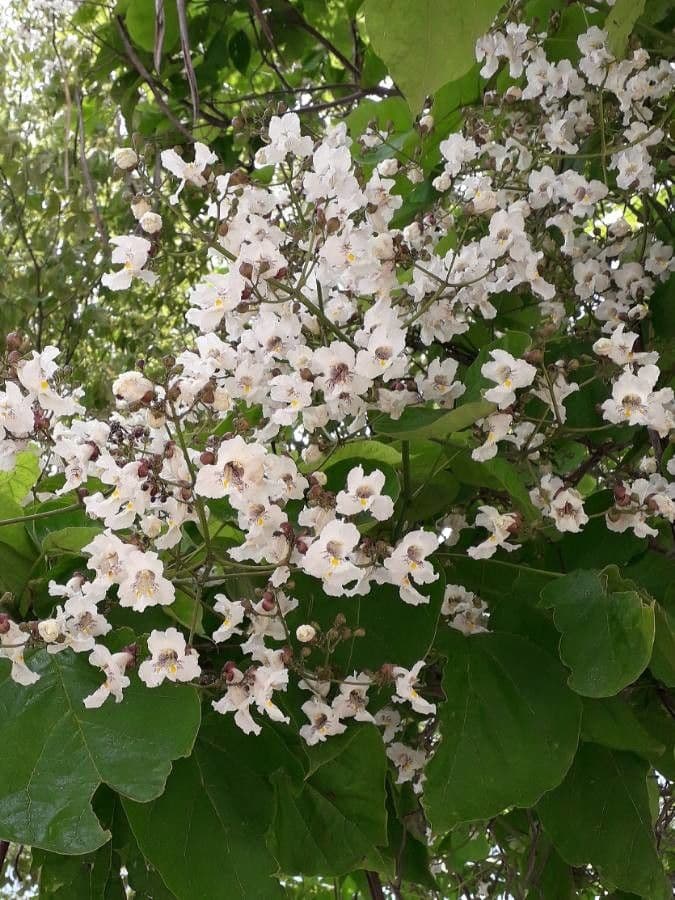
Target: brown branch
(374,885)
(135,61)
(187,59)
(89,185)
(160,29)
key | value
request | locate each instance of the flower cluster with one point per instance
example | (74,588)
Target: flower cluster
(319,315)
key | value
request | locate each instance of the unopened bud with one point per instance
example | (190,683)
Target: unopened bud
(305,633)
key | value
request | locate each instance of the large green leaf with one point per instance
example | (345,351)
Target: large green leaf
(206,834)
(619,24)
(607,629)
(421,422)
(509,729)
(330,823)
(428,44)
(54,752)
(600,815)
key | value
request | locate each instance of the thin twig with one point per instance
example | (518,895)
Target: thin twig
(187,59)
(135,61)
(89,185)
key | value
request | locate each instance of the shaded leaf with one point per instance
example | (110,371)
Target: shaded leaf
(604,798)
(506,737)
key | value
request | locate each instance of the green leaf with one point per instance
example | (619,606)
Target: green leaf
(69,540)
(16,483)
(600,815)
(140,22)
(329,824)
(239,48)
(612,723)
(619,24)
(67,751)
(607,629)
(663,655)
(206,834)
(372,450)
(420,422)
(88,875)
(428,45)
(509,729)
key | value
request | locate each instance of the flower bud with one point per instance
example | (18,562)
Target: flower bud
(305,633)
(151,222)
(49,630)
(125,158)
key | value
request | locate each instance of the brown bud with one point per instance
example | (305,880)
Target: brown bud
(4,623)
(534,357)
(301,546)
(13,341)
(207,458)
(268,602)
(246,270)
(147,398)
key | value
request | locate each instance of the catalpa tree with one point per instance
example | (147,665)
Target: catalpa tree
(366,590)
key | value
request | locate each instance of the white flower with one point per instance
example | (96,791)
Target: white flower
(408,562)
(509,374)
(132,387)
(132,252)
(169,659)
(188,172)
(323,722)
(438,383)
(238,699)
(233,613)
(285,138)
(328,557)
(497,427)
(635,401)
(353,698)
(407,760)
(564,505)
(37,375)
(406,682)
(364,494)
(500,527)
(125,158)
(619,348)
(16,415)
(113,666)
(390,720)
(143,583)
(238,468)
(12,644)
